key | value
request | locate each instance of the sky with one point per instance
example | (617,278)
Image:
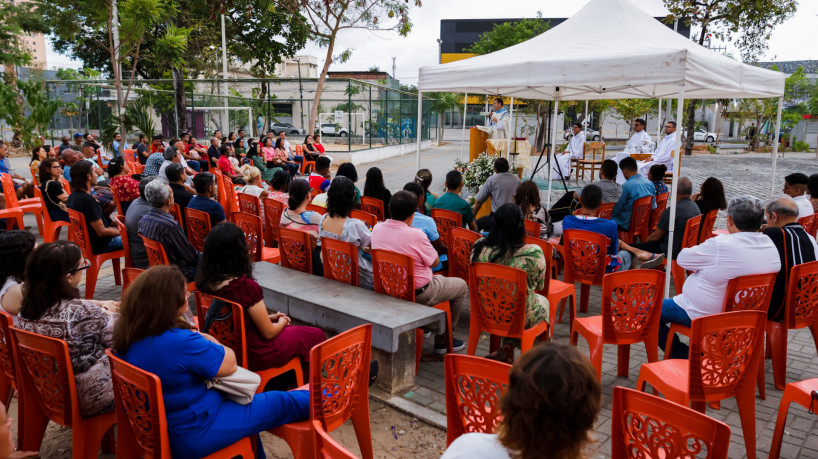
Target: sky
(792,40)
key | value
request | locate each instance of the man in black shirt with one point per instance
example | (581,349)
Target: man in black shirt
(176,178)
(213,152)
(141,148)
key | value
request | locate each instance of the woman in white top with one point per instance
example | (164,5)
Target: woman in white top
(255,185)
(15,247)
(549,409)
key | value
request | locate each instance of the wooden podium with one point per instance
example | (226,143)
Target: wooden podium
(477,142)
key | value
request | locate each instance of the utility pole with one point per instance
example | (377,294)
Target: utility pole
(301,93)
(393,68)
(118,70)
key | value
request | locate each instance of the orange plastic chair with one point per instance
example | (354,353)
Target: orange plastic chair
(445,219)
(253,233)
(249,204)
(176,212)
(65,185)
(47,384)
(374,206)
(129,275)
(99,161)
(640,216)
(585,261)
(326,447)
(31,205)
(79,235)
(142,428)
(230,201)
(797,392)
(725,351)
(532,228)
(117,202)
(8,377)
(708,222)
(314,193)
(460,243)
(394,274)
(605,210)
(316,208)
(800,311)
(219,180)
(498,306)
(644,425)
(51,228)
(306,165)
(689,239)
(295,249)
(272,219)
(339,390)
(340,260)
(126,245)
(370,219)
(156,252)
(555,290)
(231,333)
(198,227)
(631,305)
(35,176)
(807,223)
(474,386)
(661,205)
(12,216)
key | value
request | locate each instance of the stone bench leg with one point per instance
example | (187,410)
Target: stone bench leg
(397,371)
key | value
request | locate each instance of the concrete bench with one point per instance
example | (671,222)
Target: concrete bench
(338,307)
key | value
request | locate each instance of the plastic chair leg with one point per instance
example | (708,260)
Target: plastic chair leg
(678,276)
(363,431)
(31,422)
(88,438)
(91,278)
(792,394)
(623,359)
(117,271)
(778,341)
(475,329)
(745,399)
(585,292)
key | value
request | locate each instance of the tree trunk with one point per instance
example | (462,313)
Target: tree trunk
(691,126)
(10,79)
(181,103)
(320,87)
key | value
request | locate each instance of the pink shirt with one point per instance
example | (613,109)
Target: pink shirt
(398,237)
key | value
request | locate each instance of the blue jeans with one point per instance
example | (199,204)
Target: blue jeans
(193,164)
(673,314)
(625,259)
(113,245)
(299,160)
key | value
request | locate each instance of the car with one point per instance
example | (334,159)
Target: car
(592,135)
(700,135)
(332,130)
(288,128)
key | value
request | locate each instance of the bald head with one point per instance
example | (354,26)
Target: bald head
(685,187)
(69,156)
(781,211)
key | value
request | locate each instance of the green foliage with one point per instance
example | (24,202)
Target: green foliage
(475,173)
(17,19)
(31,118)
(630,109)
(509,34)
(172,47)
(138,114)
(799,145)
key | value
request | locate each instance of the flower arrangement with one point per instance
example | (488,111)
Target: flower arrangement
(475,173)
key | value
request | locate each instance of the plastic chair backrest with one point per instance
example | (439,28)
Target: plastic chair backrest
(605,210)
(802,296)
(251,226)
(645,425)
(340,260)
(691,234)
(807,223)
(176,211)
(326,447)
(314,193)
(498,296)
(586,253)
(129,275)
(445,219)
(749,293)
(370,219)
(723,349)
(35,176)
(708,223)
(631,305)
(532,228)
(79,232)
(219,180)
(65,185)
(316,208)
(661,205)
(47,222)
(339,376)
(548,252)
(249,204)
(393,274)
(126,245)
(229,195)
(8,191)
(474,386)
(640,215)
(296,249)
(99,160)
(299,150)
(198,227)
(45,369)
(272,219)
(140,407)
(230,331)
(7,356)
(156,252)
(374,206)
(116,201)
(460,243)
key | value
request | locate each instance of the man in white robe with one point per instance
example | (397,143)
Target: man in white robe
(498,125)
(639,138)
(663,152)
(574,150)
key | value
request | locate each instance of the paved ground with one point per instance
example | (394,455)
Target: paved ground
(741,174)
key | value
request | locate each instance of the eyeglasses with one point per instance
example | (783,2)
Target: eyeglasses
(86,263)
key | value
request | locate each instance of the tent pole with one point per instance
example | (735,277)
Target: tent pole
(463,132)
(553,147)
(586,120)
(418,128)
(509,131)
(674,189)
(775,144)
(659,122)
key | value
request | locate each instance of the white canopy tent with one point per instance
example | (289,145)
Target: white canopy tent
(610,49)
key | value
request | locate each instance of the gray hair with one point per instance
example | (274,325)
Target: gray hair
(685,187)
(157,192)
(170,153)
(747,213)
(143,183)
(784,206)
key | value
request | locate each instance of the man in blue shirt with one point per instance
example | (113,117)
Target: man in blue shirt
(203,183)
(427,225)
(635,187)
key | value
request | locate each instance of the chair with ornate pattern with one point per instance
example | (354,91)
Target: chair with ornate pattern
(796,392)
(51,228)
(272,220)
(708,222)
(585,253)
(640,216)
(605,210)
(317,208)
(555,290)
(532,228)
(31,205)
(126,245)
(156,252)
(79,235)
(725,351)
(306,165)
(370,219)
(459,244)
(295,248)
(645,425)
(128,276)
(49,390)
(231,203)
(339,390)
(631,305)
(661,205)
(117,201)
(474,386)
(445,219)
(690,238)
(8,377)
(374,206)
(198,227)
(340,260)
(253,233)
(176,211)
(498,306)
(142,427)
(249,204)
(326,447)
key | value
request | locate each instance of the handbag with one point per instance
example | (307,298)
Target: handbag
(241,386)
(59,204)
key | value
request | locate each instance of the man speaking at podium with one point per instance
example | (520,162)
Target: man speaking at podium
(498,124)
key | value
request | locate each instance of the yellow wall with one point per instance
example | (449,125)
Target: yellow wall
(445,58)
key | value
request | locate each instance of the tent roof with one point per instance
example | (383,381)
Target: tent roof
(610,49)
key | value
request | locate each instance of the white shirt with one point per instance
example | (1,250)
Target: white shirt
(638,140)
(804,206)
(254,190)
(576,146)
(664,149)
(476,446)
(718,260)
(287,147)
(498,128)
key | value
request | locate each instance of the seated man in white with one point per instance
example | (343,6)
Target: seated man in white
(795,186)
(639,137)
(574,150)
(742,252)
(664,151)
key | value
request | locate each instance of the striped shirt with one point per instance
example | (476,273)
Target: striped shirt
(795,246)
(161,227)
(153,164)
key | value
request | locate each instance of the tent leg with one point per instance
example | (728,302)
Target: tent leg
(674,189)
(553,148)
(419,128)
(775,144)
(463,131)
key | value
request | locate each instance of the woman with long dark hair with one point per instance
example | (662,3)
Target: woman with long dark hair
(281,185)
(710,196)
(260,163)
(505,245)
(127,189)
(424,179)
(375,188)
(311,152)
(284,160)
(527,198)
(38,154)
(348,170)
(153,335)
(54,193)
(15,248)
(226,271)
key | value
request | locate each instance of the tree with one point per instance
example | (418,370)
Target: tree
(745,24)
(325,19)
(509,34)
(441,103)
(631,109)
